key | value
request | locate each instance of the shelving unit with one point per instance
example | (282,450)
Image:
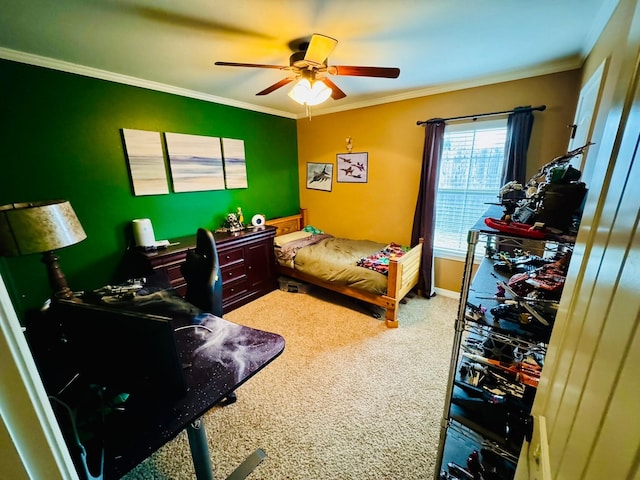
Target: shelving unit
(505,318)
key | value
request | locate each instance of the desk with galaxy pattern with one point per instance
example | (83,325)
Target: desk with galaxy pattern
(217,357)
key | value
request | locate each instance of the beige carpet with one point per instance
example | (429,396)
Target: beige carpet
(348,399)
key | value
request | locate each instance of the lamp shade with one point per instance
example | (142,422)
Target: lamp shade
(37,227)
(307,93)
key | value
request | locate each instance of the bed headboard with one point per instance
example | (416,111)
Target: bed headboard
(289,224)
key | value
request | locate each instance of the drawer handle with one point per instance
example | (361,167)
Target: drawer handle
(230,274)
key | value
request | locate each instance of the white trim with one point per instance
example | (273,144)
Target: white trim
(447,293)
(68,67)
(449,255)
(547,69)
(24,405)
(31,59)
(455,256)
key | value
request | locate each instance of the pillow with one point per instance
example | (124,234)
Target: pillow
(312,229)
(289,237)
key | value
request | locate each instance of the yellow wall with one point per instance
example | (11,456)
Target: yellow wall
(382,209)
(11,467)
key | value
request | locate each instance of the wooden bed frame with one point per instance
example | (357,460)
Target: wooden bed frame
(403,272)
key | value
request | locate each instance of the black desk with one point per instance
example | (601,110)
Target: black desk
(218,357)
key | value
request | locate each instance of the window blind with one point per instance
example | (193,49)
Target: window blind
(469,179)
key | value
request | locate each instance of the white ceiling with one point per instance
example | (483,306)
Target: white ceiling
(171,45)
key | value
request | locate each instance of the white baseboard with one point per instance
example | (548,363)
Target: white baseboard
(447,293)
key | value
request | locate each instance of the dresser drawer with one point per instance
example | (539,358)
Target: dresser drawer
(161,259)
(229,256)
(230,291)
(173,273)
(233,273)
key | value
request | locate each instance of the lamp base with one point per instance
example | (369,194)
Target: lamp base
(57,280)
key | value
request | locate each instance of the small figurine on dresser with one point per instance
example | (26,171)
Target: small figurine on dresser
(233,222)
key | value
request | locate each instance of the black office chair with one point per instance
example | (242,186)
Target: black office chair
(201,270)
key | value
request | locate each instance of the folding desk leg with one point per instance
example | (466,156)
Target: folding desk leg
(202,462)
(199,450)
(243,470)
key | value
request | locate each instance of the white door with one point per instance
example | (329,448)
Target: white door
(589,388)
(582,123)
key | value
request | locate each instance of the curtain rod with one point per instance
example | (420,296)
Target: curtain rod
(541,108)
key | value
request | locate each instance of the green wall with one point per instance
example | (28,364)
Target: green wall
(60,139)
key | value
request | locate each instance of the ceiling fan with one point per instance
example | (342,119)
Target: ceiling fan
(309,65)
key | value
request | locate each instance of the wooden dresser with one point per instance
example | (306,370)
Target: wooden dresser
(247,264)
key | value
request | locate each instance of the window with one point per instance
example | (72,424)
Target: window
(470,179)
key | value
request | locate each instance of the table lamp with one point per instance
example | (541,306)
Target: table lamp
(41,227)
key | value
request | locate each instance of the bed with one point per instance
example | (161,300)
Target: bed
(298,256)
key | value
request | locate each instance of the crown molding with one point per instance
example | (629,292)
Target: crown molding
(546,69)
(68,67)
(37,60)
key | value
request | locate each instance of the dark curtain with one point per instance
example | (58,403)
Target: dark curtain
(424,217)
(519,125)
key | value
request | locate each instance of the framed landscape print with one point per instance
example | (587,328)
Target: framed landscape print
(146,162)
(195,161)
(352,167)
(235,166)
(319,176)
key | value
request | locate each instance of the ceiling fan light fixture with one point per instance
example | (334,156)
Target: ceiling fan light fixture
(306,93)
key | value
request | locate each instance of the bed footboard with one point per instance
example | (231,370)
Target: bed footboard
(403,276)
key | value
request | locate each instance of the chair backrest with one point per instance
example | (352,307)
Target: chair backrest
(201,270)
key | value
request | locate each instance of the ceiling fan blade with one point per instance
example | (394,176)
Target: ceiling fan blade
(275,86)
(252,65)
(336,93)
(319,49)
(173,18)
(384,72)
